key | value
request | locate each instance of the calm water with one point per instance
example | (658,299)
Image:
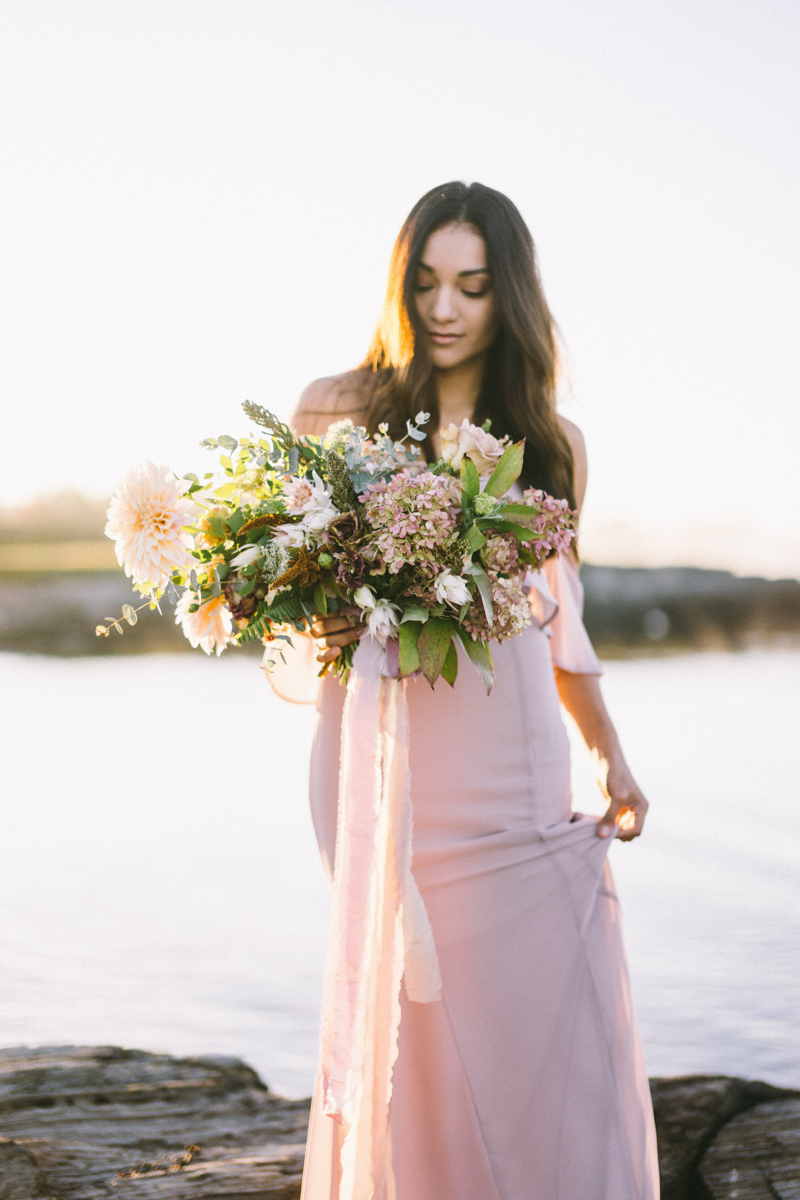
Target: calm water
(160,885)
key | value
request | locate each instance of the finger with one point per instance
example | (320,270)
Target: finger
(322,626)
(631,821)
(328,654)
(342,639)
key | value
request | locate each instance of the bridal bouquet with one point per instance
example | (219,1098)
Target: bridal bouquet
(426,555)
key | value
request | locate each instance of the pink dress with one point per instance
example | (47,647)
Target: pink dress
(526,1081)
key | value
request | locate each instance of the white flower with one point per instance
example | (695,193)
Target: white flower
(382,621)
(291,536)
(318,519)
(472,441)
(247,556)
(364,597)
(422,418)
(210,627)
(303,493)
(451,589)
(145,518)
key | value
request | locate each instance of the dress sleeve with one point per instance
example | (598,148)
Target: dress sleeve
(570,647)
(294,676)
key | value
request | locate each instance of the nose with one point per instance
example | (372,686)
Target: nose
(443,310)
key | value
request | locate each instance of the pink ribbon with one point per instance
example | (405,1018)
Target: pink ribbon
(380,932)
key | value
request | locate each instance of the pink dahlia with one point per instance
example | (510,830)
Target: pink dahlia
(145,519)
(210,627)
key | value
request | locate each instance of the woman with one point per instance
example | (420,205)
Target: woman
(526,1081)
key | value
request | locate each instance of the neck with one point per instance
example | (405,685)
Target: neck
(458,389)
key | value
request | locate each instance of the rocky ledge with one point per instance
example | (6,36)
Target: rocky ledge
(84,1122)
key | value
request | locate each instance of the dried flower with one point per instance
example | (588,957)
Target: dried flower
(303,568)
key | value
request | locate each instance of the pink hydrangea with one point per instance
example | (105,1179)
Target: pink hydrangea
(412,518)
(511,610)
(501,553)
(553,521)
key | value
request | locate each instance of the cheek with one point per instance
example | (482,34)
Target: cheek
(483,322)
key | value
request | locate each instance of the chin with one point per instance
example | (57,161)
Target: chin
(446,357)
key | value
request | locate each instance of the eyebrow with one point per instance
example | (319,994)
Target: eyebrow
(476,270)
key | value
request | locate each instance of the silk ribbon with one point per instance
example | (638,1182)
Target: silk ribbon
(380,934)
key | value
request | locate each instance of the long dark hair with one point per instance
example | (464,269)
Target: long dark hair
(519,380)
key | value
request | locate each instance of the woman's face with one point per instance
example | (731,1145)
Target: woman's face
(454,295)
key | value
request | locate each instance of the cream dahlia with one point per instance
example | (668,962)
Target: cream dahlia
(210,627)
(144,519)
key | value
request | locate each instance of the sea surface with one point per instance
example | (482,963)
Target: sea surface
(160,885)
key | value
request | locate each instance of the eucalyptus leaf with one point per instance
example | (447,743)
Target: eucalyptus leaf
(216,586)
(129,614)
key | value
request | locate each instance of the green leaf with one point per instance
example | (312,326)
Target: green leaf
(409,654)
(129,614)
(485,589)
(216,586)
(470,480)
(228,442)
(246,587)
(506,471)
(236,520)
(450,666)
(481,657)
(435,638)
(518,510)
(225,462)
(226,490)
(475,538)
(415,612)
(320,600)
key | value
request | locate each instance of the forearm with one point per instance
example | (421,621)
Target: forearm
(583,700)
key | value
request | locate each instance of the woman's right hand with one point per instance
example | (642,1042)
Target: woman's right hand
(334,632)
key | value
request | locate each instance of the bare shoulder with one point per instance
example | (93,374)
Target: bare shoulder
(331,399)
(578,446)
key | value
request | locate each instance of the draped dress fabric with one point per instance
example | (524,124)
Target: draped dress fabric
(527,1080)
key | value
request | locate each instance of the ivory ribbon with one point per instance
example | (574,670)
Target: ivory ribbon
(380,929)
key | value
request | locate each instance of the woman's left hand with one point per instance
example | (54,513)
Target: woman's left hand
(627,806)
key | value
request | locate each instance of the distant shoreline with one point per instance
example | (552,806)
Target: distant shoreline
(630,612)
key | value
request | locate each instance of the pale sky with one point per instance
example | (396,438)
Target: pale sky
(198,199)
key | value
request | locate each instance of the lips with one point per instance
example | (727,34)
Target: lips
(444,339)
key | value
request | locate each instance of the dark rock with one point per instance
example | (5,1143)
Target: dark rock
(20,1176)
(690,1110)
(92,1120)
(756,1156)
